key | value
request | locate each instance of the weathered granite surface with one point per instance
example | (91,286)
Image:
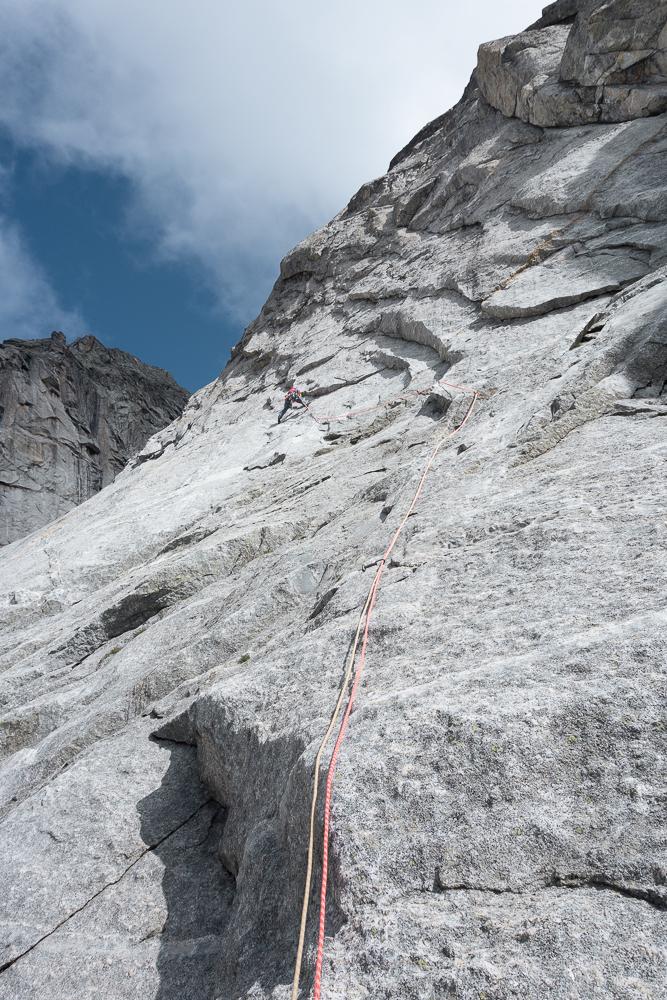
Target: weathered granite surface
(172,649)
(583,61)
(70,417)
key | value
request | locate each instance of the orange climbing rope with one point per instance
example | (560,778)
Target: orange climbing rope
(362,633)
(364,621)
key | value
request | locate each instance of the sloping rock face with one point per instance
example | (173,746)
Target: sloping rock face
(173,648)
(70,417)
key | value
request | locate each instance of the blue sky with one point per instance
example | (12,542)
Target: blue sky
(76,225)
(156,162)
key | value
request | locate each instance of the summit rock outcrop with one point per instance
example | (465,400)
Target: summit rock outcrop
(173,648)
(71,415)
(582,62)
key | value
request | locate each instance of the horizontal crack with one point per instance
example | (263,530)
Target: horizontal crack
(107,885)
(370,472)
(157,738)
(326,390)
(644,893)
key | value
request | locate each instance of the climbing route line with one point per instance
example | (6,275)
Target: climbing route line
(349,687)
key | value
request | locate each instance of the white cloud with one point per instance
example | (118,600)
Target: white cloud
(243,125)
(28,305)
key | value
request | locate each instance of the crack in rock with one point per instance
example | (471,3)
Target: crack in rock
(109,885)
(647,894)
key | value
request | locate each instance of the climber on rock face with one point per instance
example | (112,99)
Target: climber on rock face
(292,398)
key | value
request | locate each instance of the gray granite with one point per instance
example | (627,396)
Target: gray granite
(172,649)
(70,417)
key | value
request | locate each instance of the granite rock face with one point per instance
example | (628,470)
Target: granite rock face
(172,649)
(583,61)
(70,417)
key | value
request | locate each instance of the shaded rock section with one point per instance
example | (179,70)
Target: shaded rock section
(70,418)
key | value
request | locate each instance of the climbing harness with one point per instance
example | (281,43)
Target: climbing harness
(352,674)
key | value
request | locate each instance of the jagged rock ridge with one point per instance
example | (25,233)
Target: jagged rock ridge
(498,826)
(70,417)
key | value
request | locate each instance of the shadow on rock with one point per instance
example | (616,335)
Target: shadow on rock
(183,826)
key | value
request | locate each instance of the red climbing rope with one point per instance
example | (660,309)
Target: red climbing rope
(366,615)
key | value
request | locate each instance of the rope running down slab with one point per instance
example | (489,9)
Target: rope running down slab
(362,632)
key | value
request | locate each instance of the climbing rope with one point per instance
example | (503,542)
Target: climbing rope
(354,674)
(364,624)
